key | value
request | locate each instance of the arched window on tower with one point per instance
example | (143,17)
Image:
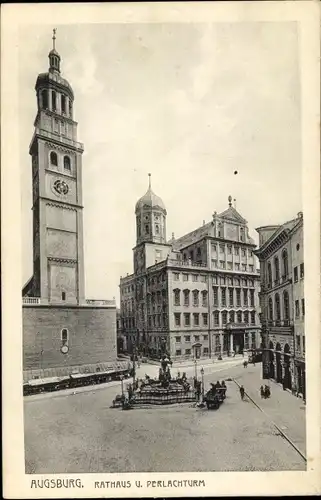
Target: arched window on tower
(276,270)
(53,159)
(270,309)
(286,307)
(285,264)
(44,99)
(64,336)
(242,238)
(70,109)
(277,307)
(146,229)
(269,276)
(157,228)
(54,100)
(67,164)
(63,104)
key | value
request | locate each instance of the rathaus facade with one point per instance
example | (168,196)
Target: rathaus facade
(194,296)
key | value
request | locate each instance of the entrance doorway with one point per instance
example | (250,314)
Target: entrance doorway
(278,363)
(238,341)
(287,371)
(197,352)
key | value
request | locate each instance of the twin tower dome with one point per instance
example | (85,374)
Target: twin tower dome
(150,218)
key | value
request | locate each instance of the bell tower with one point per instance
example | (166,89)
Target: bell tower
(58,260)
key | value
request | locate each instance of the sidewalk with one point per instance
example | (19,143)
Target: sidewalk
(284,409)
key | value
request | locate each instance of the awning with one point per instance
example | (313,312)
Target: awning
(43,381)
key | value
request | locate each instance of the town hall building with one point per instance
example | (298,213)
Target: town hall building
(193,296)
(62,330)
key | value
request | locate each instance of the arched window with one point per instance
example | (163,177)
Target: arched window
(70,109)
(54,100)
(44,98)
(270,309)
(239,316)
(269,277)
(232,317)
(63,295)
(276,269)
(186,297)
(196,298)
(53,159)
(64,336)
(277,307)
(157,229)
(204,298)
(285,264)
(67,164)
(63,103)
(177,295)
(252,317)
(246,316)
(146,229)
(224,317)
(286,307)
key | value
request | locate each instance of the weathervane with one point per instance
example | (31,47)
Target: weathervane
(54,38)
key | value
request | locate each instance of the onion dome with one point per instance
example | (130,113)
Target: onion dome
(150,200)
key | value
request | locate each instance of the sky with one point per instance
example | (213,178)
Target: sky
(189,103)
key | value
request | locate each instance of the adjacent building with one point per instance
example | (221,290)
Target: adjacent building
(62,330)
(193,296)
(282,302)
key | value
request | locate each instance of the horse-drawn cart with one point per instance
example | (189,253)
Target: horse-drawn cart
(215,397)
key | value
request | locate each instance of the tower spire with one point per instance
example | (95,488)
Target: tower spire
(230,201)
(149,181)
(54,38)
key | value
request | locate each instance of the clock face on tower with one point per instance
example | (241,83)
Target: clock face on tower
(60,187)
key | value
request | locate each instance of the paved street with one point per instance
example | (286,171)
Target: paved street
(75,433)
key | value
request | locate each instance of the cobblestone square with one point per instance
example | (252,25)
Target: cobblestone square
(77,433)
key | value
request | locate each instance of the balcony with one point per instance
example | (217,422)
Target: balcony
(53,136)
(37,301)
(186,263)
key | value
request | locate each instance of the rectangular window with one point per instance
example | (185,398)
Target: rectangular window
(187,338)
(229,266)
(187,352)
(213,247)
(215,296)
(237,267)
(177,317)
(186,297)
(196,298)
(205,337)
(243,252)
(243,267)
(196,338)
(203,279)
(222,280)
(222,264)
(229,249)
(177,295)
(178,352)
(216,318)
(238,297)
(245,297)
(185,277)
(295,274)
(222,249)
(298,342)
(187,319)
(194,277)
(252,298)
(302,270)
(214,263)
(214,280)
(223,296)
(303,307)
(303,343)
(251,283)
(205,319)
(204,299)
(176,276)
(177,339)
(251,268)
(205,350)
(231,297)
(246,341)
(297,309)
(196,319)
(236,250)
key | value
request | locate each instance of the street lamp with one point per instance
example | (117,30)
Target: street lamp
(122,384)
(202,373)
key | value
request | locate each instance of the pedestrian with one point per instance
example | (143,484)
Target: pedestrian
(242,392)
(262,392)
(267,392)
(245,364)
